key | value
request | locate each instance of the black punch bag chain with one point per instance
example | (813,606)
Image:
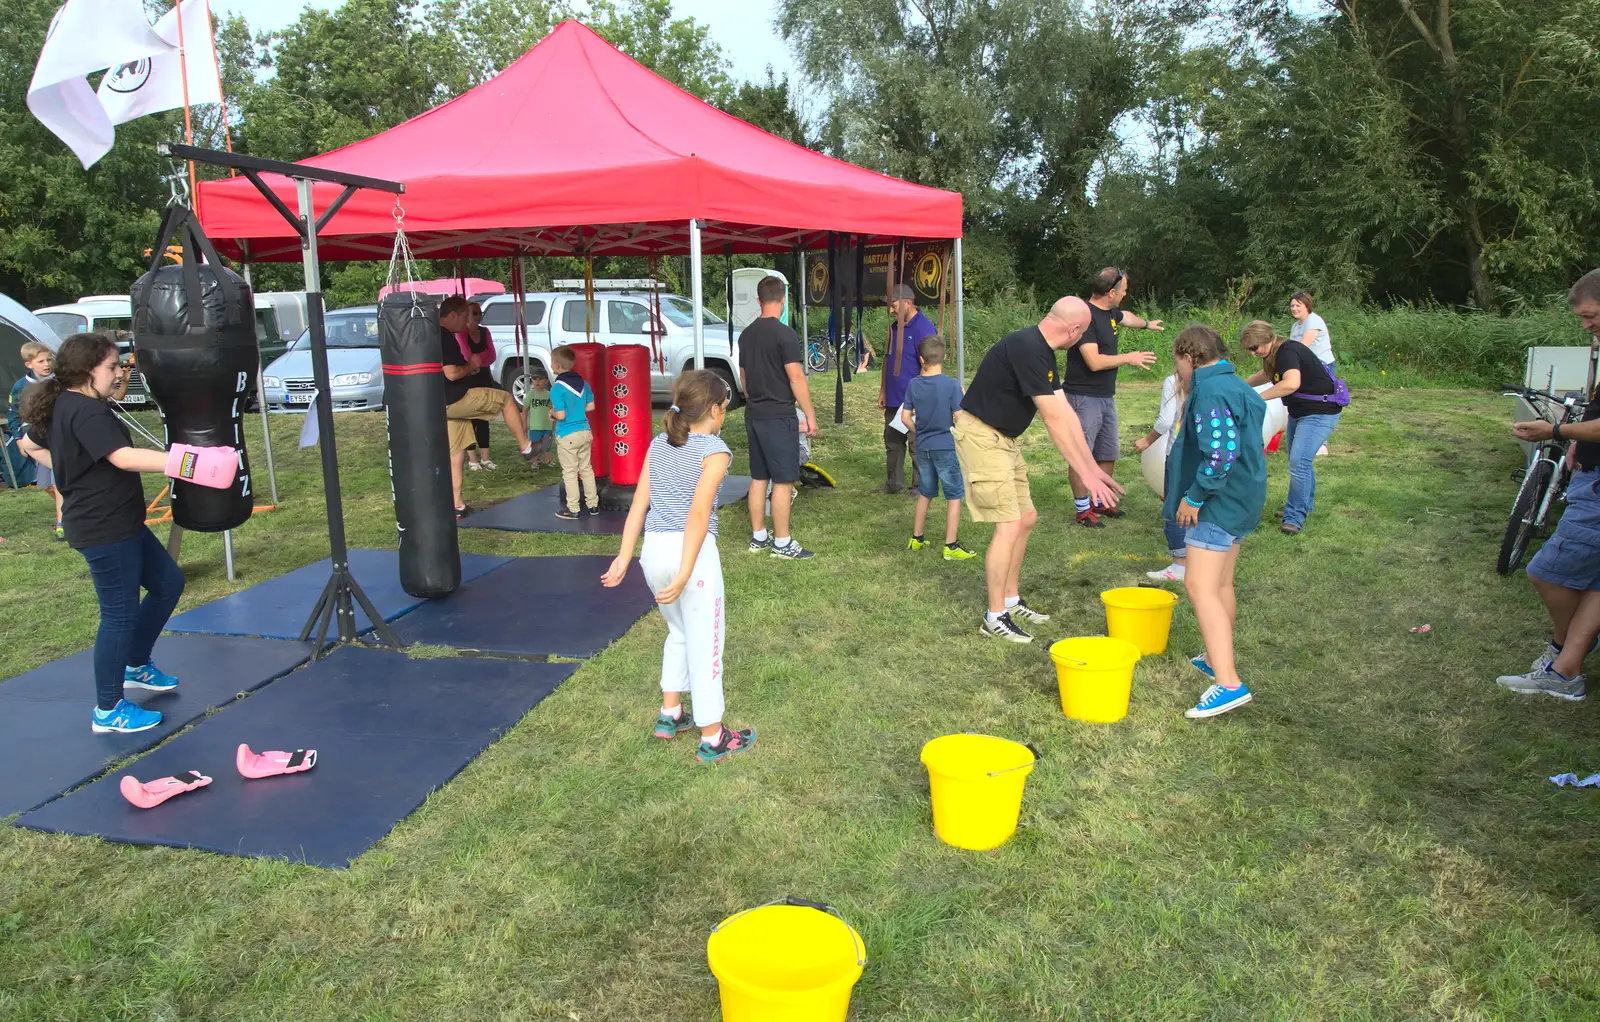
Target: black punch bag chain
(409,340)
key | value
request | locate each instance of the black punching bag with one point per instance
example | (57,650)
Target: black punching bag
(419,446)
(194,334)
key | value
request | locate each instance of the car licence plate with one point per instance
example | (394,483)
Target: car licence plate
(134,399)
(297,399)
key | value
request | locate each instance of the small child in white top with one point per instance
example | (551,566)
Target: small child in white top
(674,507)
(1172,398)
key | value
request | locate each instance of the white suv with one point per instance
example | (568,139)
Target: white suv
(100,314)
(619,316)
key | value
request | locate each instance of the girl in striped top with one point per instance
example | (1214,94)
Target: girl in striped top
(674,506)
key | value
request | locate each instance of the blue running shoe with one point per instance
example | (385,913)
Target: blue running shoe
(124,719)
(149,677)
(1201,665)
(1218,700)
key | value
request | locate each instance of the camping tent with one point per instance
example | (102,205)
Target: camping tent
(576,149)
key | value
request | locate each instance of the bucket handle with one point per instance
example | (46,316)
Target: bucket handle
(1037,756)
(861,947)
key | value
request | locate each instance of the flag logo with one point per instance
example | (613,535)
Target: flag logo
(129,77)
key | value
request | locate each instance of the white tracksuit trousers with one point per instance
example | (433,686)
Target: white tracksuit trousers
(691,660)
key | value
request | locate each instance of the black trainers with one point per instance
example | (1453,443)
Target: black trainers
(1023,612)
(594,512)
(463,511)
(1090,520)
(565,515)
(1005,628)
(791,551)
(761,546)
(1109,512)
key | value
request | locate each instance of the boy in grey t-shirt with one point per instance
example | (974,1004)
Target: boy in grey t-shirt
(932,401)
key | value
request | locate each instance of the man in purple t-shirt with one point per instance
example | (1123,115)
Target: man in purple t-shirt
(908,328)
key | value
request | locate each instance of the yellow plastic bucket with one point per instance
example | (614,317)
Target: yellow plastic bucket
(791,961)
(1095,674)
(1141,615)
(977,782)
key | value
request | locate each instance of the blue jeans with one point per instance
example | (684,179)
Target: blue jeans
(129,626)
(1206,536)
(1304,437)
(1176,543)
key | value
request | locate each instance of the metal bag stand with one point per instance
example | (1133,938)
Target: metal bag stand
(342,593)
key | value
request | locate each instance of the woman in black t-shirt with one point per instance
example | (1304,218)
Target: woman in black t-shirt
(1302,381)
(477,347)
(72,430)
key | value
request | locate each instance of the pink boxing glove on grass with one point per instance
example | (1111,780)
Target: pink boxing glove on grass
(215,467)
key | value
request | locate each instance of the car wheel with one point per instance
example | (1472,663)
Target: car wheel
(733,388)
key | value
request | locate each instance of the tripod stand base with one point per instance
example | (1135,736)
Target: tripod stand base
(337,603)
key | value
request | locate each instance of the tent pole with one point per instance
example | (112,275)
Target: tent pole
(799,289)
(697,285)
(960,326)
(261,404)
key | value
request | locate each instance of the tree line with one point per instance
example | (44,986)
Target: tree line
(1415,151)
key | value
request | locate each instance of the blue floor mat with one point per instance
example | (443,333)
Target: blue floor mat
(534,606)
(278,607)
(46,746)
(388,730)
(536,512)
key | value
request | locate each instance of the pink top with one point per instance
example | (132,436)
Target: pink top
(465,340)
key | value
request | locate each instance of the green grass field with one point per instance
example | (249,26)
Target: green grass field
(1374,838)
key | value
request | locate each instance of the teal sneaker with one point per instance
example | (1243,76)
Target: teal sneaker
(669,727)
(124,719)
(729,742)
(1202,665)
(148,677)
(1218,700)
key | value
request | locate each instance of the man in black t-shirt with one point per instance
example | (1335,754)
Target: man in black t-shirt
(1566,570)
(1090,382)
(1016,380)
(773,382)
(469,394)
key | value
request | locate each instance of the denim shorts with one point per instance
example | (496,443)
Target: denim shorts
(1571,557)
(1211,537)
(938,469)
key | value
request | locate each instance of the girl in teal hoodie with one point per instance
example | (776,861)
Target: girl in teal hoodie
(1216,488)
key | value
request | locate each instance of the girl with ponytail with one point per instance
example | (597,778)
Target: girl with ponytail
(674,506)
(73,432)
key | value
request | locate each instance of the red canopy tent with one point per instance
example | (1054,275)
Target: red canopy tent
(576,149)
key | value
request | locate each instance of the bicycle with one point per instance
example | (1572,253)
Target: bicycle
(1543,484)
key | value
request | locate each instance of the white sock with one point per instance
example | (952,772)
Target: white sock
(711,738)
(1081,503)
(781,541)
(675,712)
(991,617)
(760,535)
(1176,568)
(1012,601)
(527,450)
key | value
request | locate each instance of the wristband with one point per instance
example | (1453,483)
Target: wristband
(1555,431)
(1191,503)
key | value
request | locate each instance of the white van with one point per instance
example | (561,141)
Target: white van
(111,315)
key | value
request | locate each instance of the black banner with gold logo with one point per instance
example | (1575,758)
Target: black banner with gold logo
(925,268)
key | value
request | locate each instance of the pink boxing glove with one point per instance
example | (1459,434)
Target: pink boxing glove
(215,467)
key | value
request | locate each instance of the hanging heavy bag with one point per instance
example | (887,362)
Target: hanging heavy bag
(419,448)
(194,335)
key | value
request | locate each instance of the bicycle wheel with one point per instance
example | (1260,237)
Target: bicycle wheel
(817,357)
(1523,524)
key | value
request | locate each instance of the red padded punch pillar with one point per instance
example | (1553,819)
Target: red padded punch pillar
(627,396)
(590,363)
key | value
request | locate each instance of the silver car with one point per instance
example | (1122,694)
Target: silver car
(355,366)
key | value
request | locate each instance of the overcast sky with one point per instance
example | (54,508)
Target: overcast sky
(743,28)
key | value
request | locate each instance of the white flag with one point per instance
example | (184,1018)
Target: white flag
(149,86)
(87,36)
(310,430)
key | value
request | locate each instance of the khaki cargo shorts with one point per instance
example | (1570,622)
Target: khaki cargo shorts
(996,475)
(478,403)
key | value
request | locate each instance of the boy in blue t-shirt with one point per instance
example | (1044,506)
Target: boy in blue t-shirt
(571,401)
(932,400)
